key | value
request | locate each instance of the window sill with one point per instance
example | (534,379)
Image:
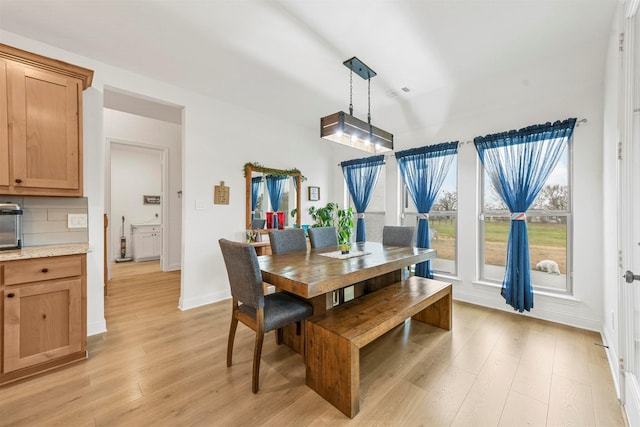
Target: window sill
(554,296)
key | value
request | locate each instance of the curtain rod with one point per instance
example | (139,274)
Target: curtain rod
(582,121)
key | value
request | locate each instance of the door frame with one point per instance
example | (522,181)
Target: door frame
(166,220)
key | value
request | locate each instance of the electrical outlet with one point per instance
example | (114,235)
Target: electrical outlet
(76,220)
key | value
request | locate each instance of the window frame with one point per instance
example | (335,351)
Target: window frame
(408,208)
(567,213)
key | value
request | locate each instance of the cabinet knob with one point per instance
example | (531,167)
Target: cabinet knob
(45,270)
(18,181)
(11,295)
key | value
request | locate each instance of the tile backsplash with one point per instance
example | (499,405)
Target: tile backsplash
(44,221)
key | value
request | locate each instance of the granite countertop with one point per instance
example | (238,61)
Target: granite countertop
(45,251)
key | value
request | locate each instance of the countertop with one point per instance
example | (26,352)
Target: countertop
(44,251)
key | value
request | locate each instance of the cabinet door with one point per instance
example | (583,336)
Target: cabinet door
(45,129)
(41,322)
(143,246)
(4,127)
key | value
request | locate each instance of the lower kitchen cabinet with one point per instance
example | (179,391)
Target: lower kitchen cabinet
(43,314)
(147,242)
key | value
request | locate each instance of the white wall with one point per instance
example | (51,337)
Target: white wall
(218,140)
(135,171)
(543,91)
(159,135)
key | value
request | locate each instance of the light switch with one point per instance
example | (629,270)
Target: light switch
(76,220)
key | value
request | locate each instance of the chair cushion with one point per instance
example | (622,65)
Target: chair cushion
(280,309)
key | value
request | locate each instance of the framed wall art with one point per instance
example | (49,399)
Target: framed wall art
(314,193)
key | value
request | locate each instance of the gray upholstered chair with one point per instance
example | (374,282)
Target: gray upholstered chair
(257,224)
(398,235)
(262,313)
(289,240)
(321,237)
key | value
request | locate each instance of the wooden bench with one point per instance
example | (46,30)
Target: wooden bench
(334,338)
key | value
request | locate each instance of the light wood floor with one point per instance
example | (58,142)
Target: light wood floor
(159,366)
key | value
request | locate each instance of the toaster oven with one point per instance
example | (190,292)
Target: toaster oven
(10,226)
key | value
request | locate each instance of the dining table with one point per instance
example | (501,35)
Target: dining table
(321,275)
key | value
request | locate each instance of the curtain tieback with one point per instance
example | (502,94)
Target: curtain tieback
(423,216)
(360,216)
(518,216)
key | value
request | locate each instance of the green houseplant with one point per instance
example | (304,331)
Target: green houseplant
(332,216)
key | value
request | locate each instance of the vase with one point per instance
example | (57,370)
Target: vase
(280,220)
(269,219)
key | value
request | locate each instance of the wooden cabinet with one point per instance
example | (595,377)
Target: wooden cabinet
(43,314)
(147,242)
(4,127)
(40,124)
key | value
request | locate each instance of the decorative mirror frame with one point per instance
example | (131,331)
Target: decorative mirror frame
(252,167)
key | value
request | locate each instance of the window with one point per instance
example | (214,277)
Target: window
(374,216)
(549,229)
(443,220)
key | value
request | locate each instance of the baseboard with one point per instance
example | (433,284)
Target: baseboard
(538,312)
(612,359)
(186,304)
(97,327)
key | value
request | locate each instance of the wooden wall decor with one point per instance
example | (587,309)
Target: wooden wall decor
(221,194)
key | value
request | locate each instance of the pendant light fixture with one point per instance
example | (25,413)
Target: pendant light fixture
(348,130)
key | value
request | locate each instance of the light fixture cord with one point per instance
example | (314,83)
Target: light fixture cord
(369,101)
(351,91)
(369,112)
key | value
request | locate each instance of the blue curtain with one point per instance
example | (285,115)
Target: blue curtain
(275,187)
(423,171)
(518,164)
(255,192)
(361,176)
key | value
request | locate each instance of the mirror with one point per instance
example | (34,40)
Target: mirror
(252,171)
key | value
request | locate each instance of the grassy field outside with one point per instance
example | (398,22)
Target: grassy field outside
(546,241)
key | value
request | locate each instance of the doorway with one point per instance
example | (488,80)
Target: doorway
(147,136)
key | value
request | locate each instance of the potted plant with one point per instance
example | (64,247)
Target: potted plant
(332,216)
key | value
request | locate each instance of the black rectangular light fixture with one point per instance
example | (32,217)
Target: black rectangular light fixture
(347,129)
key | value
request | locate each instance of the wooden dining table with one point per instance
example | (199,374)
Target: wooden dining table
(316,277)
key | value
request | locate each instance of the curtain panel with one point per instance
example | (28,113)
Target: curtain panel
(361,176)
(518,164)
(255,192)
(275,187)
(423,171)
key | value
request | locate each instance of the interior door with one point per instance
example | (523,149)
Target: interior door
(629,220)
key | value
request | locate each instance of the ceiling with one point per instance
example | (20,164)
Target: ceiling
(284,57)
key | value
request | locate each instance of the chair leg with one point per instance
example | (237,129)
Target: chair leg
(257,352)
(232,335)
(279,336)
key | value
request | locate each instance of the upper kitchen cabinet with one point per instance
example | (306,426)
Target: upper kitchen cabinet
(41,131)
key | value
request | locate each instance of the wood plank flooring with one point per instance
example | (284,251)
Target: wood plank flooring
(159,366)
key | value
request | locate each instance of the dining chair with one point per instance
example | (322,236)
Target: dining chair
(262,313)
(258,224)
(289,240)
(321,237)
(398,235)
